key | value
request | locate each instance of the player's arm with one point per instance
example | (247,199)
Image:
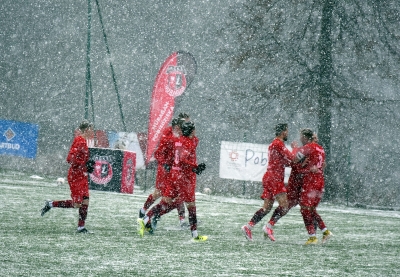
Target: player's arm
(189,161)
(287,154)
(163,152)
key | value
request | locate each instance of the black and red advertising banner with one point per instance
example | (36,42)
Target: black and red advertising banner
(114,170)
(174,76)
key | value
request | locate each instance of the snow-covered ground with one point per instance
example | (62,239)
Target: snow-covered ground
(365,242)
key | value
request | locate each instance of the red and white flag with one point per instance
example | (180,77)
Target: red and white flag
(174,76)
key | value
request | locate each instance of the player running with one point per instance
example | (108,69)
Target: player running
(78,158)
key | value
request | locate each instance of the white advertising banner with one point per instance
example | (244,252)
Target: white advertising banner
(244,161)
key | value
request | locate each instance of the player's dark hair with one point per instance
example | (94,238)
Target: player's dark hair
(307,133)
(176,121)
(187,128)
(279,128)
(85,124)
(184,116)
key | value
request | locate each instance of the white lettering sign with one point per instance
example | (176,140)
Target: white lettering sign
(244,161)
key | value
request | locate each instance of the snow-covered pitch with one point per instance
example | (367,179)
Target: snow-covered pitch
(365,242)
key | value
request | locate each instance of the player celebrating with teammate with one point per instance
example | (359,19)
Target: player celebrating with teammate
(278,157)
(313,186)
(164,156)
(181,182)
(294,188)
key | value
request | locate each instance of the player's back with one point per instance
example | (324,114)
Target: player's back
(315,156)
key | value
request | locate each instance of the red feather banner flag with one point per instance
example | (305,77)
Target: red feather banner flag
(174,76)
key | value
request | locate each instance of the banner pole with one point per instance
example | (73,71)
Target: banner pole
(88,77)
(111,66)
(244,182)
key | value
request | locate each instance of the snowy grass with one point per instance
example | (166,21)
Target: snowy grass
(366,242)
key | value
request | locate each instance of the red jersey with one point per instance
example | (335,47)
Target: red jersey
(182,180)
(78,156)
(185,153)
(164,155)
(313,182)
(278,157)
(315,156)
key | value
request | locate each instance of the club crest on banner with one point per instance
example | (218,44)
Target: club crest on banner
(102,173)
(173,78)
(176,80)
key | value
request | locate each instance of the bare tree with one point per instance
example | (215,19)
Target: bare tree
(314,57)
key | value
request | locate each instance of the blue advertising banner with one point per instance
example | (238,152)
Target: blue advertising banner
(18,138)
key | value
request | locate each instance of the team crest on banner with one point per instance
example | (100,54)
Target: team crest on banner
(114,170)
(176,84)
(173,78)
(102,173)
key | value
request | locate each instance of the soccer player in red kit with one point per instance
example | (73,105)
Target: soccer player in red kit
(80,166)
(313,186)
(274,188)
(181,182)
(164,156)
(293,188)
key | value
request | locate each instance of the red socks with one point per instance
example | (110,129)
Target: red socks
(318,219)
(150,200)
(277,214)
(192,218)
(63,204)
(308,220)
(82,215)
(257,217)
(181,211)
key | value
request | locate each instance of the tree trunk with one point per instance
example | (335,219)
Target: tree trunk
(325,93)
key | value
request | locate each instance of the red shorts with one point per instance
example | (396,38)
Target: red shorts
(79,188)
(273,185)
(182,185)
(313,189)
(293,188)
